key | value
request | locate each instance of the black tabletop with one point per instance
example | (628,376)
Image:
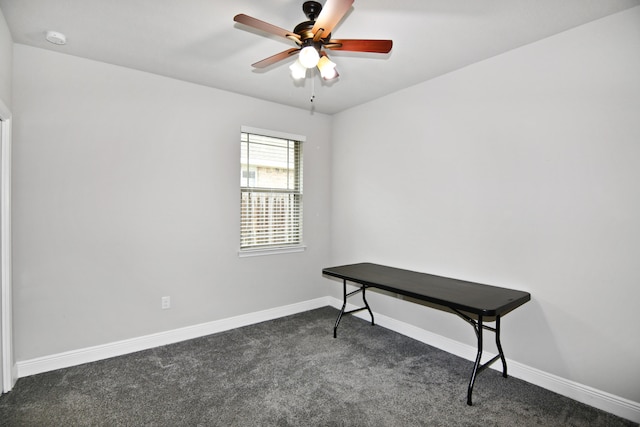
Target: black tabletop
(462,295)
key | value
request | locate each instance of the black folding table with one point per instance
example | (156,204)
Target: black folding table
(466,299)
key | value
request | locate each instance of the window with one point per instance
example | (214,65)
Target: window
(270,190)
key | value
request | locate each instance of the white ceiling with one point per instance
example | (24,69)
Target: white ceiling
(198,41)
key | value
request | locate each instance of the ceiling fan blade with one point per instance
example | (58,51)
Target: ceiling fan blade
(266,27)
(275,58)
(360,45)
(332,12)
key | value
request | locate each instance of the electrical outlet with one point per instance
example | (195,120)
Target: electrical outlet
(166,303)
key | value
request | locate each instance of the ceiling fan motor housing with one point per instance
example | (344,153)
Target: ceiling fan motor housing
(311,9)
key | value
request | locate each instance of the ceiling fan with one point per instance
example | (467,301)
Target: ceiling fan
(312,38)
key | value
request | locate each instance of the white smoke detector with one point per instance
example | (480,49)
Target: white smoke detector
(55,37)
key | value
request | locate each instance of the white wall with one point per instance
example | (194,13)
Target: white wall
(6,60)
(126,189)
(6,63)
(521,171)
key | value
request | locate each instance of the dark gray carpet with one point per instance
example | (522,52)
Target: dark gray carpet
(288,372)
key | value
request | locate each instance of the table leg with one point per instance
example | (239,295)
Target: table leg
(346,295)
(344,305)
(500,352)
(478,330)
(367,305)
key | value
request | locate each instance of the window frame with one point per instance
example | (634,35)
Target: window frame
(275,248)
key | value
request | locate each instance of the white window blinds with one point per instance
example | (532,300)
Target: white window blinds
(270,190)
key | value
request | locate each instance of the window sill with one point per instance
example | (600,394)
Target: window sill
(270,251)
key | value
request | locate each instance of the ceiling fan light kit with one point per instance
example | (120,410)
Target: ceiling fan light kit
(309,57)
(312,38)
(298,71)
(327,68)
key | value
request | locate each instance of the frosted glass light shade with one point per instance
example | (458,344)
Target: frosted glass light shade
(298,71)
(309,57)
(327,68)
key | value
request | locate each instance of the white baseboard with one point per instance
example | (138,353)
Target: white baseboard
(599,399)
(119,348)
(588,395)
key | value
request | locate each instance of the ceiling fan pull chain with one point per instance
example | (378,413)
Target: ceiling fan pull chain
(313,88)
